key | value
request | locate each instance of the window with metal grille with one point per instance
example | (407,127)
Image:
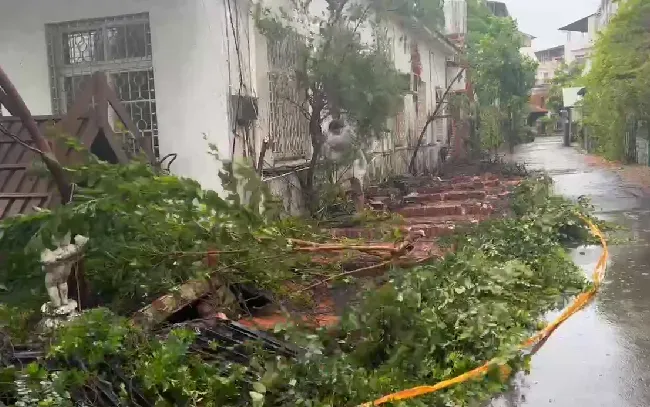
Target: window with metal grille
(120,47)
(288,126)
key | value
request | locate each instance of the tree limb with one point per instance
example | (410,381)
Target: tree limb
(18,140)
(431,118)
(300,107)
(361,248)
(349,273)
(266,142)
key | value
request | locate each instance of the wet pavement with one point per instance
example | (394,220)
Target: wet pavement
(601,356)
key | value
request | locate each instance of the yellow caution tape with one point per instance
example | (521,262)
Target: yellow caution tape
(536,340)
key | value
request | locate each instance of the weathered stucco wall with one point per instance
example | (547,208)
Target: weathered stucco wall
(190,62)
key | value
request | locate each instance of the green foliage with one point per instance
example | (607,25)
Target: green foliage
(149,233)
(342,73)
(432,324)
(548,124)
(491,131)
(163,369)
(37,387)
(501,75)
(17,321)
(425,325)
(618,83)
(566,76)
(543,220)
(337,72)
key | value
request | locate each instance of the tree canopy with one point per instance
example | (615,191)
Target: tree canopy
(565,76)
(618,85)
(501,75)
(337,72)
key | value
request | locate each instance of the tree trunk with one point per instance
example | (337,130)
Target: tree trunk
(430,120)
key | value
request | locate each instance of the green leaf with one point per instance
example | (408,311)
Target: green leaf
(257,398)
(259,387)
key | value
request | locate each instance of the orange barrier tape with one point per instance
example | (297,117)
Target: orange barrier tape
(538,339)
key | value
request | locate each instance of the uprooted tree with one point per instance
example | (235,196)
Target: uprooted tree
(150,232)
(343,70)
(427,325)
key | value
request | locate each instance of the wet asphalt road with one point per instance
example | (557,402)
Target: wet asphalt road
(601,356)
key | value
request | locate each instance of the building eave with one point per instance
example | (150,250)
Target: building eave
(414,25)
(443,40)
(581,25)
(501,5)
(556,48)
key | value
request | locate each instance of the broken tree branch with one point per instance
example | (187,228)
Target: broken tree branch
(349,273)
(396,252)
(300,242)
(433,116)
(260,159)
(337,247)
(18,140)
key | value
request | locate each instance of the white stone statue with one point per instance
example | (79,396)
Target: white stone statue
(57,265)
(339,145)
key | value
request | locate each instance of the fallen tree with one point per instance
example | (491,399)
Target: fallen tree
(426,324)
(150,233)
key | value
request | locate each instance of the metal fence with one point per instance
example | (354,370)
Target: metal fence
(118,46)
(636,146)
(288,124)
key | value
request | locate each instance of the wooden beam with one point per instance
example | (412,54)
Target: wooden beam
(19,195)
(124,116)
(13,167)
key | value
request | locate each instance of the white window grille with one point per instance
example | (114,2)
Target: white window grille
(119,46)
(288,125)
(439,128)
(440,93)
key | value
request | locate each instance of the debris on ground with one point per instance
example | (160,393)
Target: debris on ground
(350,284)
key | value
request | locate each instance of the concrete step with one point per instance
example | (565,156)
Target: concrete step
(447,209)
(446,196)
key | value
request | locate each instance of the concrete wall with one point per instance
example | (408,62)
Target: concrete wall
(546,71)
(641,151)
(193,71)
(455,17)
(577,45)
(606,11)
(529,52)
(433,55)
(196,63)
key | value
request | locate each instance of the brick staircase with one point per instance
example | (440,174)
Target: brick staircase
(436,207)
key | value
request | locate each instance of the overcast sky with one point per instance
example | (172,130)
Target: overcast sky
(542,18)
